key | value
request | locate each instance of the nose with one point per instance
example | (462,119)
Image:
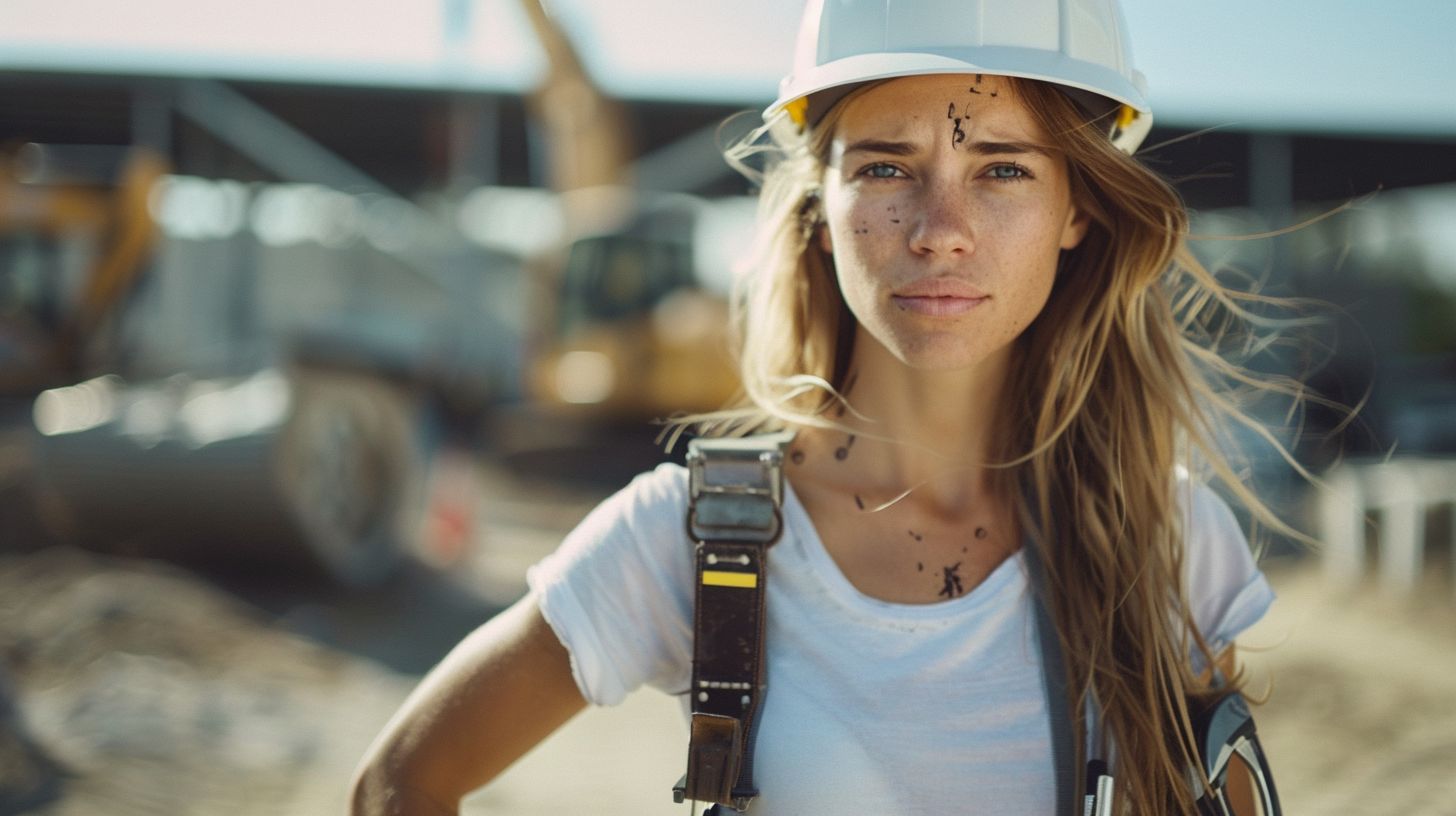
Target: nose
(944,227)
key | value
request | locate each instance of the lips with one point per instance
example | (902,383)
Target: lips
(940,288)
(939,297)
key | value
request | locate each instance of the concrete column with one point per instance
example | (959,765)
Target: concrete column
(1396,489)
(1340,510)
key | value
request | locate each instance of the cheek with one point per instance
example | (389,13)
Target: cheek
(869,226)
(854,231)
(1038,230)
(862,253)
(1029,256)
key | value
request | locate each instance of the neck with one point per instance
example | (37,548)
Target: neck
(940,424)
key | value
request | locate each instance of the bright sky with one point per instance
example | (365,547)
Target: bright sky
(1342,65)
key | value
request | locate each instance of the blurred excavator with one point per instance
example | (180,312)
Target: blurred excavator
(60,196)
(335,460)
(626,331)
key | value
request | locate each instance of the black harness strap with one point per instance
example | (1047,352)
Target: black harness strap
(735,515)
(1054,679)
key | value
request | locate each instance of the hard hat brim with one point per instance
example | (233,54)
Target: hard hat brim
(824,85)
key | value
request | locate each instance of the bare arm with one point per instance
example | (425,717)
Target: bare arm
(501,691)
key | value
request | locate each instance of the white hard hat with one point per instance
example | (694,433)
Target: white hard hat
(1080,45)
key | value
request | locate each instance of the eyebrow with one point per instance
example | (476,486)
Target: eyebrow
(881,146)
(1007,148)
(980,148)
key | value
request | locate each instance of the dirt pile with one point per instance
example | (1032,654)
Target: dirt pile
(136,689)
(153,693)
(1361,718)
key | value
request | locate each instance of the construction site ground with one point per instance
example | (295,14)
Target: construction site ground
(132,687)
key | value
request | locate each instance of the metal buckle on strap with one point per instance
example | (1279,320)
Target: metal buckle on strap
(735,490)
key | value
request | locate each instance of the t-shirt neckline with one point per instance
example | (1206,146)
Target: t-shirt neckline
(828,573)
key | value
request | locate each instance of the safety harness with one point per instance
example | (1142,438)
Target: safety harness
(735,515)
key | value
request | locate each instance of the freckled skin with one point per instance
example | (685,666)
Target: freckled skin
(954,217)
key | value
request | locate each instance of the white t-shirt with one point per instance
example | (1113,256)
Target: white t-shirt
(872,707)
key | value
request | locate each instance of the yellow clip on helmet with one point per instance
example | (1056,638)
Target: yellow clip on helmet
(1080,45)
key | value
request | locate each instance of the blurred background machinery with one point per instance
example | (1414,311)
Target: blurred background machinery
(626,331)
(249,444)
(434,267)
(333,333)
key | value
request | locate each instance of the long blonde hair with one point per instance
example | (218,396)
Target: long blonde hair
(1118,383)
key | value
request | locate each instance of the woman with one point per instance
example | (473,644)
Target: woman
(979,316)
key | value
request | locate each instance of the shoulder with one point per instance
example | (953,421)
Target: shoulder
(657,495)
(618,591)
(1208,521)
(666,482)
(1226,592)
(653,503)
(1213,541)
(633,545)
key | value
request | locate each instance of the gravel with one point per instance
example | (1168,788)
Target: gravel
(128,687)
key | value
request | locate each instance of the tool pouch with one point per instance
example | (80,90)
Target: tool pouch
(714,750)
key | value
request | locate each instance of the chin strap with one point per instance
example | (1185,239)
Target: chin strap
(735,515)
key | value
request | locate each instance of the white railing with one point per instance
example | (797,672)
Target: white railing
(1395,495)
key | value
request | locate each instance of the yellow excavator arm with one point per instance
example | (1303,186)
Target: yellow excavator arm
(115,211)
(588,133)
(623,331)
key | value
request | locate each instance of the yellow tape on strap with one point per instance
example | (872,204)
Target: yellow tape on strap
(742,580)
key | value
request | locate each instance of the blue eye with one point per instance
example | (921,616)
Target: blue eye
(1008,172)
(881,171)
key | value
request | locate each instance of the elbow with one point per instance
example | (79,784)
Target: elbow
(372,792)
(368,794)
(380,789)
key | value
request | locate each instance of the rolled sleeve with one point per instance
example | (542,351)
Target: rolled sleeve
(1227,593)
(617,590)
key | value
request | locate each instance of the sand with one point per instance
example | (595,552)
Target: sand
(154,693)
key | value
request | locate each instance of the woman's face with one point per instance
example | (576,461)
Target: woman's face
(945,217)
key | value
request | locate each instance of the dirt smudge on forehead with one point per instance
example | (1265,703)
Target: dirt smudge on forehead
(957,134)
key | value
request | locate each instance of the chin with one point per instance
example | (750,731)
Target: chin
(942,353)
